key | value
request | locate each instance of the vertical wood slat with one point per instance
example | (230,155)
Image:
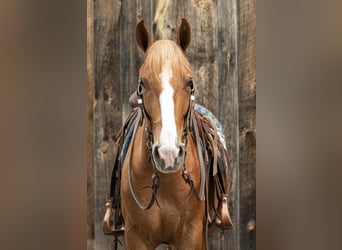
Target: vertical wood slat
(228,103)
(107,106)
(214,54)
(247,120)
(90,134)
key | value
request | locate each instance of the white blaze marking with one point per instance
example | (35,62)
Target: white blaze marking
(168,135)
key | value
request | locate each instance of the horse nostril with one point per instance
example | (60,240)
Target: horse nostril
(181,154)
(181,151)
(155,151)
(156,156)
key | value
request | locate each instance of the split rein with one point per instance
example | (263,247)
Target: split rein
(149,136)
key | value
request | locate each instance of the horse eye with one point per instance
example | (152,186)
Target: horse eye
(141,86)
(190,83)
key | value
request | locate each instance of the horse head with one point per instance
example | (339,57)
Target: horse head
(165,86)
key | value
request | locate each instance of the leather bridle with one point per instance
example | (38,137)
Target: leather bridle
(150,140)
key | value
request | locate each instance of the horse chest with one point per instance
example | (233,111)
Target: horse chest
(168,221)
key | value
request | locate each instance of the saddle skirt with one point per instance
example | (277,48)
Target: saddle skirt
(207,132)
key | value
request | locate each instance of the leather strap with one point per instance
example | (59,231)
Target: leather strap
(213,142)
(200,157)
(155,178)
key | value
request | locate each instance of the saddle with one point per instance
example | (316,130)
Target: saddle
(207,132)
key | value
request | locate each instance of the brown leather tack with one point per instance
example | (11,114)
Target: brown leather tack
(226,220)
(106,227)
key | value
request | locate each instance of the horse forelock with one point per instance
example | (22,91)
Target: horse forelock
(156,56)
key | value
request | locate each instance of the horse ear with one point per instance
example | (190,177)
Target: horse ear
(142,36)
(184,34)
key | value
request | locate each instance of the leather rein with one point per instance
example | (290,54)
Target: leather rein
(149,136)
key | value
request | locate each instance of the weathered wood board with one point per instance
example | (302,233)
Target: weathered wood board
(247,122)
(222,55)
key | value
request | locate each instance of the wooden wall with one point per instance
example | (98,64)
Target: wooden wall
(223,58)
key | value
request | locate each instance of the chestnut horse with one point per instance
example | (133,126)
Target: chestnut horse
(173,210)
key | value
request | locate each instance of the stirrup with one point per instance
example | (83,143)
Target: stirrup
(225,222)
(107,227)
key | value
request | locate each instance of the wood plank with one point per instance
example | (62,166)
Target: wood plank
(107,106)
(90,132)
(227,33)
(247,119)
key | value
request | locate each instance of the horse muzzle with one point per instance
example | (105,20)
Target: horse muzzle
(168,158)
